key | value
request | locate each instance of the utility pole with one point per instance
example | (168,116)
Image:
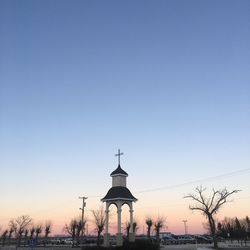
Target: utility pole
(82,208)
(185,225)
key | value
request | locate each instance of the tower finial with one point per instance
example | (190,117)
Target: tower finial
(119,155)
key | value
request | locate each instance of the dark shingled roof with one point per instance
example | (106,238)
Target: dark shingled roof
(119,170)
(119,192)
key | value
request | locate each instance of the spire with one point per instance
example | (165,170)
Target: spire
(119,171)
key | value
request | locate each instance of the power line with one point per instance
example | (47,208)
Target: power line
(187,183)
(195,181)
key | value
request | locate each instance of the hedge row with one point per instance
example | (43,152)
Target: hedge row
(137,245)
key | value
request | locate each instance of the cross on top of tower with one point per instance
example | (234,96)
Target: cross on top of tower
(119,155)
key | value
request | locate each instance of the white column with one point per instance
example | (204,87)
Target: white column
(119,239)
(119,218)
(131,220)
(107,221)
(131,233)
(106,236)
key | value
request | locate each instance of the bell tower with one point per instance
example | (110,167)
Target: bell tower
(119,195)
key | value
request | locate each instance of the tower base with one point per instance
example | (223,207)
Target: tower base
(106,242)
(131,237)
(119,239)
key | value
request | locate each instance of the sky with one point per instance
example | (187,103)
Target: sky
(165,81)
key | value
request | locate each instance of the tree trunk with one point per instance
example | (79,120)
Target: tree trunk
(128,227)
(19,240)
(148,232)
(98,238)
(213,230)
(158,236)
(45,241)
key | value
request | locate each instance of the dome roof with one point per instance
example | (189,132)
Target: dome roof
(119,171)
(119,193)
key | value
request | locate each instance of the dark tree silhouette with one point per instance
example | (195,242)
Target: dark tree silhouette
(38,230)
(79,228)
(99,221)
(11,231)
(127,225)
(149,223)
(233,228)
(74,228)
(239,230)
(47,231)
(26,231)
(225,228)
(135,227)
(32,232)
(71,229)
(210,206)
(3,237)
(159,223)
(20,224)
(248,226)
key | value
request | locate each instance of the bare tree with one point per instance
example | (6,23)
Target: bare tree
(71,229)
(74,228)
(248,226)
(32,232)
(26,231)
(12,230)
(47,231)
(79,228)
(127,227)
(159,223)
(135,227)
(20,224)
(210,206)
(4,236)
(13,226)
(149,223)
(240,230)
(233,228)
(99,220)
(38,230)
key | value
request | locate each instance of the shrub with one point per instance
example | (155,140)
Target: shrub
(137,245)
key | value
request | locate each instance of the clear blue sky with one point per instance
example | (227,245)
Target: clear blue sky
(166,81)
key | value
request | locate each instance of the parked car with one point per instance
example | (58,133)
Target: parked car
(220,239)
(184,239)
(55,241)
(201,239)
(68,242)
(209,237)
(168,240)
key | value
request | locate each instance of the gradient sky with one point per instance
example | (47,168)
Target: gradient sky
(167,82)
